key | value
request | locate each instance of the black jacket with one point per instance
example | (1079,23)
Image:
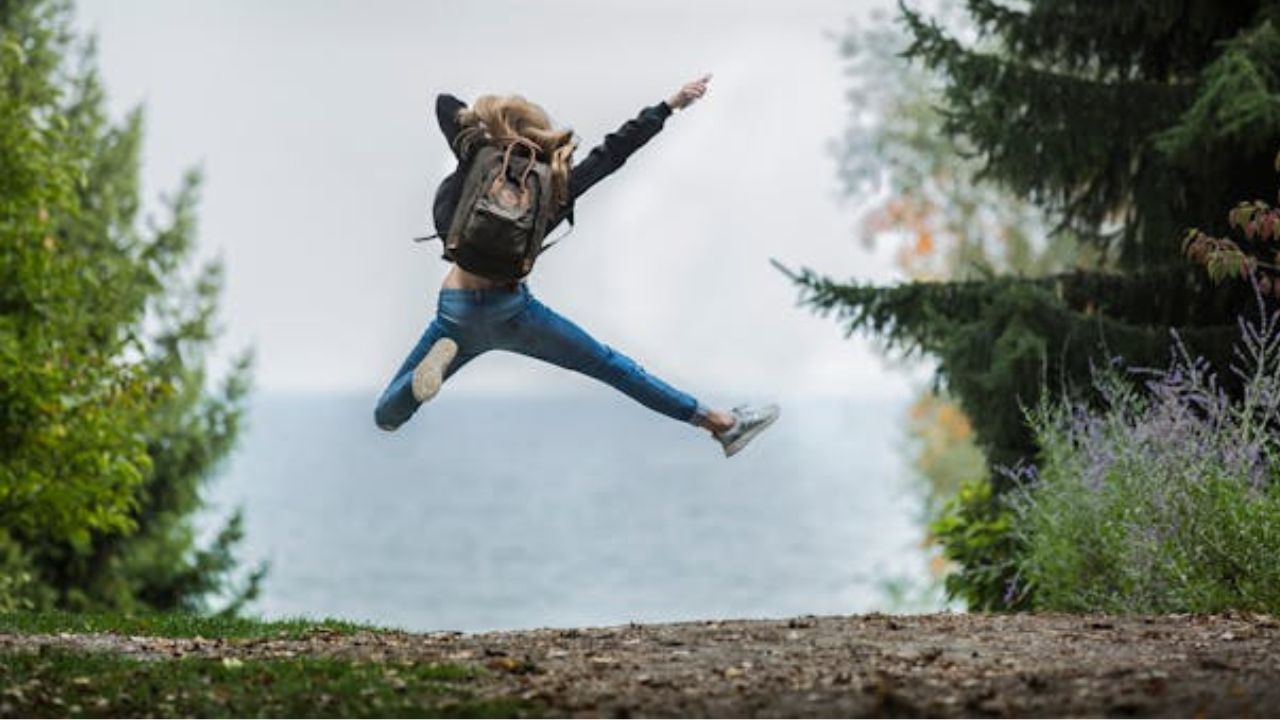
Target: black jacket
(602,160)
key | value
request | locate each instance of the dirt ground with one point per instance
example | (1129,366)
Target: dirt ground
(880,665)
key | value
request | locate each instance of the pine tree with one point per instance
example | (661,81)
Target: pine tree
(108,430)
(944,226)
(1126,124)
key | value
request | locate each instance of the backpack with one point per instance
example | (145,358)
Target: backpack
(503,212)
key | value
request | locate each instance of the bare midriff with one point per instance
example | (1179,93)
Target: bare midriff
(459,279)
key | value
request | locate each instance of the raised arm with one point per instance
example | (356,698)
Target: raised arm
(618,145)
(447,107)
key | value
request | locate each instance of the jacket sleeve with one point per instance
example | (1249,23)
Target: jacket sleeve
(618,145)
(447,107)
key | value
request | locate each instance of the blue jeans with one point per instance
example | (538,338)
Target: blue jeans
(501,319)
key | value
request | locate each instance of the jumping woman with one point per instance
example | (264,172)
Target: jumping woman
(515,181)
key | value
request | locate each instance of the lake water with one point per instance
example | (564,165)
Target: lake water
(486,513)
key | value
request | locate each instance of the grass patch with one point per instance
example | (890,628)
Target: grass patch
(67,684)
(171,625)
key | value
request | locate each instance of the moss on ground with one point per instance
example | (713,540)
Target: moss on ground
(60,683)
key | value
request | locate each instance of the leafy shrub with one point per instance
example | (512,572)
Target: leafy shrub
(15,577)
(110,425)
(1163,498)
(976,533)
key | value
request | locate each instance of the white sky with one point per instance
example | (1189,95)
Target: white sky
(314,124)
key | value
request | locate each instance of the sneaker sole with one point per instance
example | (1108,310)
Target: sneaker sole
(732,448)
(429,375)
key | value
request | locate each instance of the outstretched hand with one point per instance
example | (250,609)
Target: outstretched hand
(691,91)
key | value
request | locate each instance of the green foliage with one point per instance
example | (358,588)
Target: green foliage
(106,427)
(1061,103)
(1075,107)
(171,625)
(1001,342)
(894,146)
(17,581)
(977,533)
(1238,102)
(1164,500)
(946,225)
(73,458)
(64,684)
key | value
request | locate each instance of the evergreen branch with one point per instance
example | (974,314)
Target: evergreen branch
(933,46)
(1159,40)
(994,17)
(1000,343)
(1077,146)
(1239,99)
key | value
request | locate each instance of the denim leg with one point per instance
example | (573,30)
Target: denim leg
(541,333)
(397,403)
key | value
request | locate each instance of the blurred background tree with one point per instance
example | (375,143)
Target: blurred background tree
(943,223)
(1107,130)
(109,425)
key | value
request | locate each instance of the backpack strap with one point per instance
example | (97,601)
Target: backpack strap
(542,176)
(547,246)
(528,166)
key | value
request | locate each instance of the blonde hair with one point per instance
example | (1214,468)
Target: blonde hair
(501,120)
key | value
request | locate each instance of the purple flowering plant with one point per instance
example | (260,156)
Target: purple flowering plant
(1163,498)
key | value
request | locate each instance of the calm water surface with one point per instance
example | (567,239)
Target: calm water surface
(488,513)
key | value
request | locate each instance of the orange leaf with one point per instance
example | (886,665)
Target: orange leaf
(924,244)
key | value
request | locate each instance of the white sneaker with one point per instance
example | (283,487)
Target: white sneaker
(748,422)
(429,374)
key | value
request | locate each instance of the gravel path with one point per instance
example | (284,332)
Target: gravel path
(933,665)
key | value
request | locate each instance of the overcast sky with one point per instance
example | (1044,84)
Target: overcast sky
(313,122)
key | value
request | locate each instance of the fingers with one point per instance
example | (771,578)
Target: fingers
(691,91)
(697,88)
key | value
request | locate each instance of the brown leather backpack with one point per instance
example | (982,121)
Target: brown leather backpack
(503,212)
